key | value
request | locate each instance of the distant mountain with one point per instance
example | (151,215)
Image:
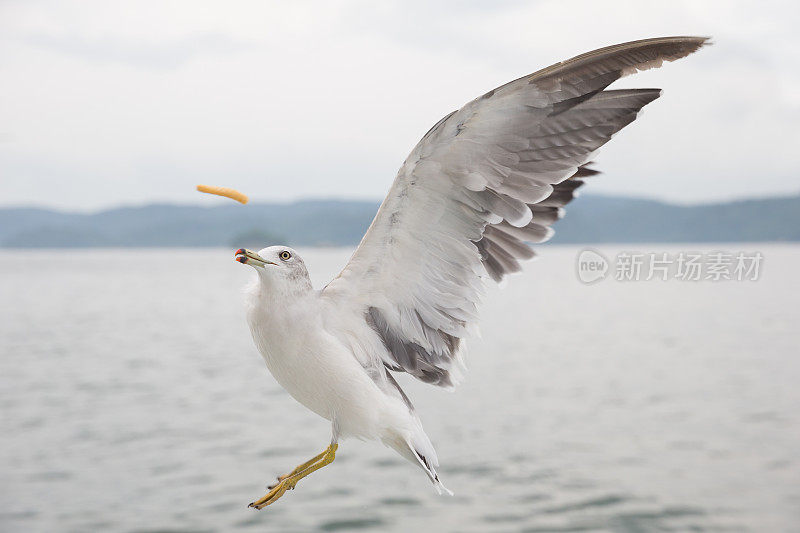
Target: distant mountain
(597,219)
(590,219)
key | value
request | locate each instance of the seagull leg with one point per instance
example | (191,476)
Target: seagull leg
(290,480)
(299,469)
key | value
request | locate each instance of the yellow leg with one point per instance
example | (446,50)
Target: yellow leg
(298,469)
(290,480)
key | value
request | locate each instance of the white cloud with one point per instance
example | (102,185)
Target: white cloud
(104,103)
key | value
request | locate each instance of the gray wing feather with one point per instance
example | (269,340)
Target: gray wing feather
(483,183)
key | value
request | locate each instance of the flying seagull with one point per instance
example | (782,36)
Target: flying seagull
(483,183)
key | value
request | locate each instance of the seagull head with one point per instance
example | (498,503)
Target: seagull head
(276,264)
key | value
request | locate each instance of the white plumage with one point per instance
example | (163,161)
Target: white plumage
(482,184)
(322,357)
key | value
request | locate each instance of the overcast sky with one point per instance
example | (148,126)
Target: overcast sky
(108,103)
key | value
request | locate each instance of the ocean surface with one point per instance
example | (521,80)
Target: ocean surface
(132,399)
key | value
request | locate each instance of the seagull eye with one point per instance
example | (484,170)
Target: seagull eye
(284,255)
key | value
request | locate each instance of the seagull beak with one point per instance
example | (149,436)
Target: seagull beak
(248,257)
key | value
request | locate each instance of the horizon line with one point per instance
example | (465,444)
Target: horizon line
(311,199)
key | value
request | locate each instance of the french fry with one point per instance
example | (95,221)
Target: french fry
(233,194)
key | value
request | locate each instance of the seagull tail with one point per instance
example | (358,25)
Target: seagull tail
(430,470)
(418,449)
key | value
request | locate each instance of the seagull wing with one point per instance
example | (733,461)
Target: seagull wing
(486,180)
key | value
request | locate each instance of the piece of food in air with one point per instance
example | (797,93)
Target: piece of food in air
(224,191)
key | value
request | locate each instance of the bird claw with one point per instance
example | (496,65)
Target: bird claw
(275,492)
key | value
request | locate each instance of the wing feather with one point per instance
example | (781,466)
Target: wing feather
(482,184)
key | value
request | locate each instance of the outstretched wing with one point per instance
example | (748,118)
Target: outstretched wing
(481,184)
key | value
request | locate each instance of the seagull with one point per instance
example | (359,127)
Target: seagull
(486,181)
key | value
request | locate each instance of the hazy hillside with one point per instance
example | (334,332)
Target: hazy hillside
(590,219)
